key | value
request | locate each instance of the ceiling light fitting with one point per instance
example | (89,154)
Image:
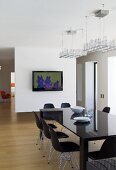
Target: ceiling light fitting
(94,45)
(71,53)
(99,44)
(101,13)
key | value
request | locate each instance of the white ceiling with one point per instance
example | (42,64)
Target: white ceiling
(41,22)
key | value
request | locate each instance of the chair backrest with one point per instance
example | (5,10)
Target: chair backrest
(47,115)
(64,105)
(55,142)
(108,148)
(46,129)
(3,93)
(106,109)
(48,106)
(38,121)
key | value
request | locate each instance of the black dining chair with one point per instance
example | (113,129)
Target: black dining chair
(106,109)
(102,164)
(40,127)
(65,148)
(48,106)
(47,115)
(108,149)
(47,134)
(65,105)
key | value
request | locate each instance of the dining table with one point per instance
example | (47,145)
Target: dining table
(100,126)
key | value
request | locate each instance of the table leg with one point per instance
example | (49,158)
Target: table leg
(83,154)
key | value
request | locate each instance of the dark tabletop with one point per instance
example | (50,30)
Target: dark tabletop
(101,124)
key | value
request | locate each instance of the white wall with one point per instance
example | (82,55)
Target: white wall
(30,59)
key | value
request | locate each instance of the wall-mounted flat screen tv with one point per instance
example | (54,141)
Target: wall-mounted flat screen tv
(47,80)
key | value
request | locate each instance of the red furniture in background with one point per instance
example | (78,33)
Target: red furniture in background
(5,96)
(12,85)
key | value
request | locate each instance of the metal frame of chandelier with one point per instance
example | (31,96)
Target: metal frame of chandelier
(96,45)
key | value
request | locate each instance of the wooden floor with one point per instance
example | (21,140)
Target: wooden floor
(18,134)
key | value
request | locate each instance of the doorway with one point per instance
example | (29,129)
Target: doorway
(112,84)
(95,86)
(7,66)
(12,84)
(91,85)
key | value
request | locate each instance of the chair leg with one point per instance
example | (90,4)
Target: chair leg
(67,157)
(41,142)
(74,161)
(37,140)
(50,153)
(41,134)
(60,163)
(48,145)
(70,160)
(40,137)
(64,165)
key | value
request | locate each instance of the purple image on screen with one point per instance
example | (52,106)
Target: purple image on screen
(47,83)
(40,82)
(56,85)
